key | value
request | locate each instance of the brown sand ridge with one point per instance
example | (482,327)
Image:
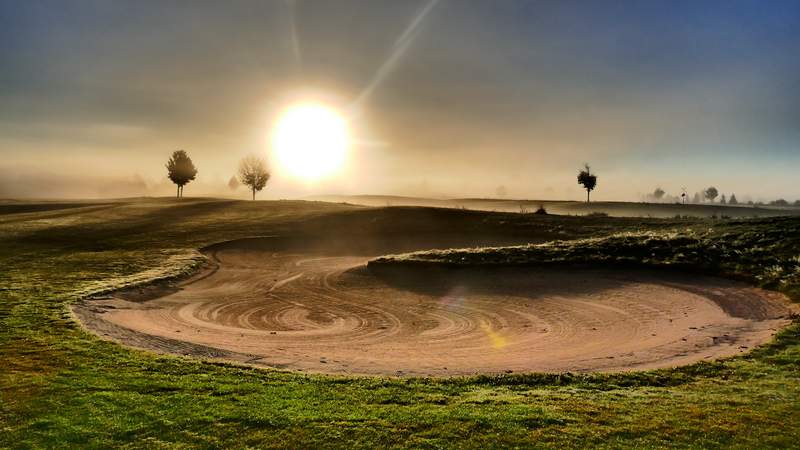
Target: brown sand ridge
(319,312)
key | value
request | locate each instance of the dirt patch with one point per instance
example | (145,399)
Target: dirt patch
(302,310)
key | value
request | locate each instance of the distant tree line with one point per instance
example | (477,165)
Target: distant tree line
(588,180)
(708,195)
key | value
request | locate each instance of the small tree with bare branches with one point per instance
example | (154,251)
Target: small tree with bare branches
(253,173)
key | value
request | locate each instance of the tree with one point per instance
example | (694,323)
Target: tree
(588,180)
(733,200)
(233,183)
(658,194)
(697,199)
(180,169)
(253,173)
(711,193)
(723,200)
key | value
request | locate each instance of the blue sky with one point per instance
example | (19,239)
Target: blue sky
(512,93)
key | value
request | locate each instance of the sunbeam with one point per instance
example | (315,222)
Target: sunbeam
(295,38)
(399,48)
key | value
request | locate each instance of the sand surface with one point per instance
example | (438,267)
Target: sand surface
(328,314)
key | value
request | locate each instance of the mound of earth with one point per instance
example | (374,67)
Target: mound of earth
(313,311)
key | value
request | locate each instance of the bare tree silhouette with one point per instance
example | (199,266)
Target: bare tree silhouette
(253,173)
(711,193)
(181,170)
(588,180)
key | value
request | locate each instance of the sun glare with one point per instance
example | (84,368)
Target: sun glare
(310,141)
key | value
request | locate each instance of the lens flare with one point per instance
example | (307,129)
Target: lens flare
(496,339)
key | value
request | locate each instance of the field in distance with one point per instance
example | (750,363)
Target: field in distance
(617,209)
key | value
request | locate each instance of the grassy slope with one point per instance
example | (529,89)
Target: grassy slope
(63,386)
(765,252)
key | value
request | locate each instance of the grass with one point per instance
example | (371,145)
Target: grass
(765,252)
(62,386)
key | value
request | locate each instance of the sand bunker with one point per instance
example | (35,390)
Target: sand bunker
(329,314)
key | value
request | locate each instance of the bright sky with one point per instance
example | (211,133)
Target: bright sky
(454,98)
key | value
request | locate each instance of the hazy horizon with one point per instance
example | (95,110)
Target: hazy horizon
(443,99)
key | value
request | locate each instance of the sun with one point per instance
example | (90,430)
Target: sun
(310,141)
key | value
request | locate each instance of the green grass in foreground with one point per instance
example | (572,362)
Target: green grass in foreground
(63,387)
